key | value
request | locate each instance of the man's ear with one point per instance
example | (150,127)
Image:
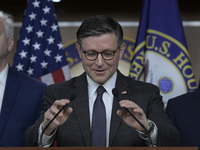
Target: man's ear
(10,44)
(122,49)
(78,47)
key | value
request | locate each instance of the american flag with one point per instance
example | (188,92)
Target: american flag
(40,52)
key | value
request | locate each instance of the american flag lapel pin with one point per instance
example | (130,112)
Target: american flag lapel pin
(124,92)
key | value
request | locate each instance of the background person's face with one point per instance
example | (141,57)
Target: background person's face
(3,42)
(101,70)
(6,45)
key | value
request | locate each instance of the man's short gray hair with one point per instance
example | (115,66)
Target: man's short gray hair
(8,23)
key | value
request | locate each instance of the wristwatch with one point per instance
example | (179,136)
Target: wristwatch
(148,132)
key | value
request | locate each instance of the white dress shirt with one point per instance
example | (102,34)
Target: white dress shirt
(3,78)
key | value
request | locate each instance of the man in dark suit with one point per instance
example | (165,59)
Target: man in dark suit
(100,46)
(184,113)
(20,95)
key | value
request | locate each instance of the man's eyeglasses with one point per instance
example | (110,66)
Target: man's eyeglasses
(106,55)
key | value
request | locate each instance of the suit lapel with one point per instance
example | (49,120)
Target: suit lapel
(115,121)
(121,86)
(81,105)
(9,98)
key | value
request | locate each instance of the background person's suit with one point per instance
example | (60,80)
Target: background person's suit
(21,106)
(76,130)
(184,112)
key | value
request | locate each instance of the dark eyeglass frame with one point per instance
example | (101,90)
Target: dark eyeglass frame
(97,53)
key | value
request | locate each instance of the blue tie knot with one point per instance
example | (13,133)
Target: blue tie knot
(100,90)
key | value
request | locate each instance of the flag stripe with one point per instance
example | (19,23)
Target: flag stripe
(61,74)
(58,75)
(47,78)
(66,71)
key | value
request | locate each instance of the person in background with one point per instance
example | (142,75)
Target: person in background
(100,46)
(184,112)
(20,95)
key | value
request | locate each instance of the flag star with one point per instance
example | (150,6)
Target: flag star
(58,58)
(32,16)
(23,54)
(20,67)
(36,4)
(29,29)
(60,45)
(43,22)
(50,40)
(44,64)
(47,52)
(26,41)
(46,10)
(33,58)
(55,15)
(30,71)
(40,33)
(36,46)
(54,27)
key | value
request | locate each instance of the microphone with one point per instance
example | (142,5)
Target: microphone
(72,97)
(115,93)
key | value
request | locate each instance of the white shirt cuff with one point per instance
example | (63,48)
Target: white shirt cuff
(153,136)
(46,140)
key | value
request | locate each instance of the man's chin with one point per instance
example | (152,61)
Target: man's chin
(100,80)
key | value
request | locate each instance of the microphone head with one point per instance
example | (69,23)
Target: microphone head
(115,92)
(72,97)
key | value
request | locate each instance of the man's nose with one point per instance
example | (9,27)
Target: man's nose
(99,61)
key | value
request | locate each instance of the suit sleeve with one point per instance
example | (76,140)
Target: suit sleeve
(167,134)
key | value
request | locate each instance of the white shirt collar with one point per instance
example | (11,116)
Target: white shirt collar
(3,76)
(108,85)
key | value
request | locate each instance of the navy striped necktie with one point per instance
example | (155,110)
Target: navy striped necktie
(99,120)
